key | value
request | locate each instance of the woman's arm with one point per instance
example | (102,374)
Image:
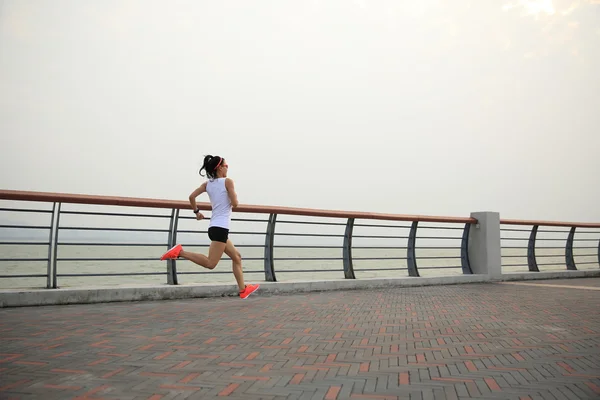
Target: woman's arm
(231,191)
(195,194)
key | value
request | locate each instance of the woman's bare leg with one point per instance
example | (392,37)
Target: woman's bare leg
(236,263)
(215,252)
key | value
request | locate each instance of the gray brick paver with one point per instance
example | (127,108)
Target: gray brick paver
(495,341)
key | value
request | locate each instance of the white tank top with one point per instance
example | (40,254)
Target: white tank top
(221,205)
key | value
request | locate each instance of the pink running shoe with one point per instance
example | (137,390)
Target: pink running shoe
(248,290)
(173,252)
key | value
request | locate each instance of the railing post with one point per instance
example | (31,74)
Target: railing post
(172,241)
(55,230)
(269,240)
(569,251)
(598,251)
(347,250)
(531,260)
(485,257)
(464,250)
(51,237)
(411,257)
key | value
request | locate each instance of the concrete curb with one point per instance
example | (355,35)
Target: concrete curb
(88,295)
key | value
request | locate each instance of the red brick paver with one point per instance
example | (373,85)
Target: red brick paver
(496,341)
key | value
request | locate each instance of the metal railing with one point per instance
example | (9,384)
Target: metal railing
(544,236)
(341,234)
(338,227)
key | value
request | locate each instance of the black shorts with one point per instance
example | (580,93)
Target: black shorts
(218,234)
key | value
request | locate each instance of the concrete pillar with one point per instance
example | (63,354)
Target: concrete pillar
(484,244)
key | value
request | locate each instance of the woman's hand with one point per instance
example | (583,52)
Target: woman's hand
(199,216)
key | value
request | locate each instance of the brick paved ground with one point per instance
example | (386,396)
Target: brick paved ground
(499,341)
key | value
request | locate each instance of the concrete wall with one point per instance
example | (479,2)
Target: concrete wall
(38,297)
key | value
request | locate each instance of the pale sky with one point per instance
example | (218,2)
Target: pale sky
(410,107)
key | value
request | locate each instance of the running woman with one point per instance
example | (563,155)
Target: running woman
(223,199)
